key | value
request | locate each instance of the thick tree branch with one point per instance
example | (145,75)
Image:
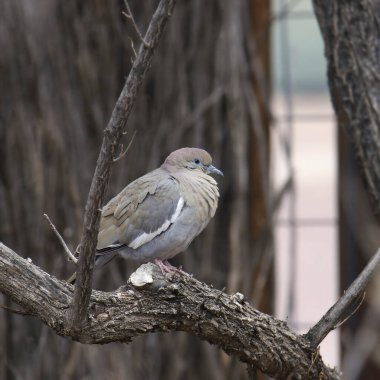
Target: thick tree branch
(152,303)
(112,135)
(337,312)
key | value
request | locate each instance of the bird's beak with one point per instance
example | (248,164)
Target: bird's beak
(213,169)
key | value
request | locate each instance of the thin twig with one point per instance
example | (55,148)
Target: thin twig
(124,152)
(333,317)
(352,313)
(63,243)
(280,195)
(314,357)
(130,16)
(133,49)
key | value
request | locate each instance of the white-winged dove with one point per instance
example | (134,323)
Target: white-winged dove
(159,214)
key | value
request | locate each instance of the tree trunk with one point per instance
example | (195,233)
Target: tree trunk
(351,31)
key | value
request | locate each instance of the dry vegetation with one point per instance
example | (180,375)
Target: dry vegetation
(62,68)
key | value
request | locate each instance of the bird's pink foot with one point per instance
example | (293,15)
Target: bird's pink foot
(166,267)
(173,268)
(163,266)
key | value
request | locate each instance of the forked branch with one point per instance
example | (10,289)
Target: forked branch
(111,141)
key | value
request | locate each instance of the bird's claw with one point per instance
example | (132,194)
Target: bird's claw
(166,267)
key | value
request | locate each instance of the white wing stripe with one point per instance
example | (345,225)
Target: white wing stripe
(147,237)
(178,210)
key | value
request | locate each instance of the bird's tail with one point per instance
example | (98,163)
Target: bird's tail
(102,257)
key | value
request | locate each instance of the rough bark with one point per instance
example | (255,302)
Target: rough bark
(178,303)
(350,31)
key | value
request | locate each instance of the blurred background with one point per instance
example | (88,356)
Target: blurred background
(244,79)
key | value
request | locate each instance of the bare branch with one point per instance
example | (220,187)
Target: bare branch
(63,243)
(130,16)
(122,151)
(357,307)
(133,49)
(280,195)
(163,303)
(337,312)
(112,135)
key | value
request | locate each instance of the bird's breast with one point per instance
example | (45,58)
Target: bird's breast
(201,194)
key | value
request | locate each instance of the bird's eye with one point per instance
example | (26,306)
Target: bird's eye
(196,161)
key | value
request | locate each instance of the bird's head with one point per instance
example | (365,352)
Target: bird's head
(191,159)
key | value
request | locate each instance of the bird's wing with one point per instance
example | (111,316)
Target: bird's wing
(144,209)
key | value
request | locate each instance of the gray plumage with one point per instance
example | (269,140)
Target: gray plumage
(159,214)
